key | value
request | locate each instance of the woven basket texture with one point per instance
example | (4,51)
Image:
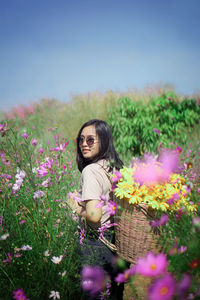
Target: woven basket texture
(134,237)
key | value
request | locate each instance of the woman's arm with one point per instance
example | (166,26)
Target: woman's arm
(91,213)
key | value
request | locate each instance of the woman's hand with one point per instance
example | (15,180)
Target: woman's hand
(73,204)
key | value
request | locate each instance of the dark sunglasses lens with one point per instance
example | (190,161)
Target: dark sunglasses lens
(90,141)
(81,140)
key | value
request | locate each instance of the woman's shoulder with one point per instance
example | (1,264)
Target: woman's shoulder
(101,167)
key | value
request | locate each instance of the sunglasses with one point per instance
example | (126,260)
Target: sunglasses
(89,141)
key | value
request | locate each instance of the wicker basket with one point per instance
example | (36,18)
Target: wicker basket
(134,237)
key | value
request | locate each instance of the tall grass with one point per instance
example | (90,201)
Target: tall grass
(36,225)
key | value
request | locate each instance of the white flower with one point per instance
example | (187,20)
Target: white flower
(38,194)
(62,274)
(34,170)
(19,181)
(26,248)
(46,182)
(22,174)
(4,236)
(46,253)
(57,260)
(55,295)
(15,187)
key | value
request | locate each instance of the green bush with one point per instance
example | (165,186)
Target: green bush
(138,127)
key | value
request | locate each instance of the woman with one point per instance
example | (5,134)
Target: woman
(96,160)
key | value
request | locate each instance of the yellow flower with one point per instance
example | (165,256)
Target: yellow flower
(156,196)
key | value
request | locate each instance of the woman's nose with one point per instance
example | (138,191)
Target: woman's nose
(84,143)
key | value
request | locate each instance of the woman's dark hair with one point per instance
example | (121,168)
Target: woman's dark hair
(106,148)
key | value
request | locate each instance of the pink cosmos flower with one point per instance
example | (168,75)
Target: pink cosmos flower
(92,279)
(25,136)
(151,171)
(156,131)
(111,208)
(196,222)
(102,202)
(34,142)
(178,149)
(105,294)
(163,288)
(22,222)
(182,249)
(173,199)
(46,182)
(8,259)
(152,265)
(180,212)
(102,229)
(117,176)
(19,295)
(42,171)
(126,275)
(160,222)
(184,286)
(82,236)
(38,194)
(2,126)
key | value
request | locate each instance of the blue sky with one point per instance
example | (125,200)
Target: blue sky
(54,48)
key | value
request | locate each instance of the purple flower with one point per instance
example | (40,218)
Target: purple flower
(103,198)
(102,229)
(160,222)
(42,171)
(173,199)
(156,131)
(196,222)
(117,176)
(2,126)
(38,194)
(151,171)
(82,236)
(19,295)
(34,142)
(125,277)
(22,222)
(46,182)
(111,208)
(8,259)
(20,175)
(152,265)
(182,249)
(178,149)
(92,279)
(184,286)
(25,135)
(163,288)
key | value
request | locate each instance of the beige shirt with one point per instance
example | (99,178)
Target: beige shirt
(95,182)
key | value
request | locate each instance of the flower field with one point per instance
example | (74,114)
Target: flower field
(39,236)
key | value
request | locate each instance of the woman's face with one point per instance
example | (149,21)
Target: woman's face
(89,142)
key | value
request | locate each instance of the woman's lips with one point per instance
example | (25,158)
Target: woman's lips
(85,151)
